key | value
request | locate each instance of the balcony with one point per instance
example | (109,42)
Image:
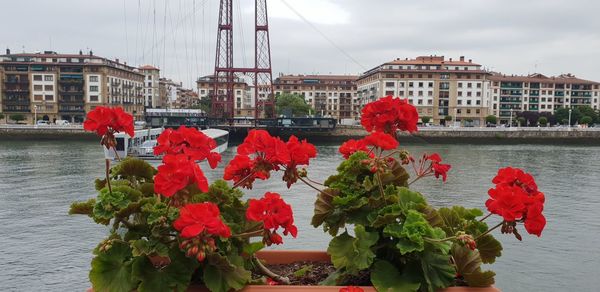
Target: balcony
(70,108)
(511,85)
(559,93)
(511,92)
(70,81)
(9,108)
(534,93)
(17,90)
(510,99)
(17,81)
(581,94)
(534,100)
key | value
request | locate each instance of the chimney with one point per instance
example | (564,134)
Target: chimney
(462,58)
(91,53)
(7,51)
(470,61)
(80,52)
(117,60)
(450,59)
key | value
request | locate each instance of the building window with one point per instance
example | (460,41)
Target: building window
(460,93)
(459,102)
(459,84)
(420,102)
(93,78)
(429,93)
(48,87)
(38,97)
(93,98)
(49,97)
(469,85)
(410,84)
(420,84)
(37,77)
(389,84)
(93,88)
(469,93)
(478,84)
(420,93)
(48,78)
(478,102)
(469,102)
(430,83)
(468,111)
(477,111)
(38,87)
(459,111)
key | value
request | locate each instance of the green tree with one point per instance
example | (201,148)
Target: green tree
(586,120)
(425,120)
(562,114)
(17,117)
(491,119)
(448,118)
(293,102)
(1,116)
(543,121)
(588,111)
(522,121)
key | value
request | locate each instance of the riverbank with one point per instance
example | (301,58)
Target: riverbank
(433,135)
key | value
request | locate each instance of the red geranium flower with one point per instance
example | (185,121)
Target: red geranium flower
(438,168)
(177,172)
(382,141)
(240,168)
(516,176)
(507,201)
(195,219)
(274,213)
(188,141)
(389,114)
(300,154)
(266,147)
(104,119)
(351,146)
(535,220)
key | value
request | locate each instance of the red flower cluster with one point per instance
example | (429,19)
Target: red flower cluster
(377,139)
(438,168)
(516,198)
(260,153)
(104,120)
(182,148)
(194,219)
(188,141)
(176,173)
(274,212)
(389,114)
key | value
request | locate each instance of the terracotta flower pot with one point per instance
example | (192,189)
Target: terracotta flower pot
(289,256)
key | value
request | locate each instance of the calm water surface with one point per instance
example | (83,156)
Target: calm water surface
(44,249)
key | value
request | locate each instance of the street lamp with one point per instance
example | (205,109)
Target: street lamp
(35,114)
(570,117)
(455,114)
(511,114)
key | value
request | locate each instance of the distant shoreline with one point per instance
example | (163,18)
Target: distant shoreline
(499,136)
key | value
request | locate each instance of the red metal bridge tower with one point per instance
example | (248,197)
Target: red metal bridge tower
(226,74)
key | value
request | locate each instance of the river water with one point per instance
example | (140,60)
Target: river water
(44,249)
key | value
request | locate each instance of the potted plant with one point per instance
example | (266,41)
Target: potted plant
(172,230)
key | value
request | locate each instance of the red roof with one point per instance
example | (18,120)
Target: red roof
(148,67)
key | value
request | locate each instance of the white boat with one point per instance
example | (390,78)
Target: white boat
(142,145)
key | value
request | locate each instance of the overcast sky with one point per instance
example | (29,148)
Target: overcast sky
(329,36)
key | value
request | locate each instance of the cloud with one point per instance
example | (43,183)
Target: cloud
(337,36)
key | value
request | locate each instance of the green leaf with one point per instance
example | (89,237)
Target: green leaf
(437,270)
(323,206)
(302,271)
(353,254)
(489,248)
(396,176)
(480,279)
(252,248)
(143,247)
(410,200)
(174,277)
(413,232)
(133,169)
(157,213)
(111,270)
(220,275)
(385,215)
(385,277)
(433,216)
(82,208)
(468,264)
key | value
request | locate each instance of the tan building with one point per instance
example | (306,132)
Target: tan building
(186,99)
(329,95)
(151,86)
(436,86)
(538,93)
(243,94)
(168,90)
(67,86)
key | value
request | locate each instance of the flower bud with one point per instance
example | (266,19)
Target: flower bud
(201,255)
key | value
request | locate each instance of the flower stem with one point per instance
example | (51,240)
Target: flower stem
(249,234)
(313,187)
(268,273)
(240,182)
(116,154)
(487,216)
(108,176)
(439,240)
(490,230)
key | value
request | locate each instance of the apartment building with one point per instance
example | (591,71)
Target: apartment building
(186,99)
(540,93)
(168,90)
(243,94)
(151,86)
(66,86)
(328,95)
(435,86)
